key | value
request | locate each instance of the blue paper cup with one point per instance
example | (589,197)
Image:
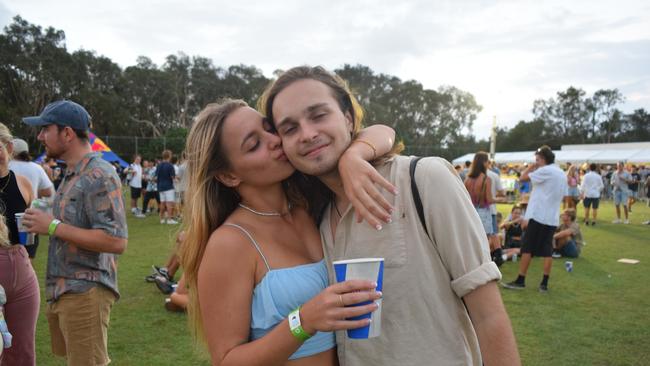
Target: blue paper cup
(23,236)
(369,269)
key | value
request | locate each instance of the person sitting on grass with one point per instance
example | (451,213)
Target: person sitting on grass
(179,298)
(567,240)
(171,266)
(514,231)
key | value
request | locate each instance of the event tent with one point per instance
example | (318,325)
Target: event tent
(99,146)
(570,156)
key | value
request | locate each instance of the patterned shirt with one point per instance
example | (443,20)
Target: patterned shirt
(89,197)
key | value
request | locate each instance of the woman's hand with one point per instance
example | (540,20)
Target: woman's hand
(360,182)
(329,310)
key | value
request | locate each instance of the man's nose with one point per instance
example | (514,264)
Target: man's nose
(308,132)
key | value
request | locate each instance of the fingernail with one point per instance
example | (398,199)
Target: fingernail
(369,320)
(391,210)
(380,293)
(374,284)
(378,227)
(388,220)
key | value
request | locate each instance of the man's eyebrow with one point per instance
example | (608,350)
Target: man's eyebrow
(314,107)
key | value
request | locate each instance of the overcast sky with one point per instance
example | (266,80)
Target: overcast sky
(506,53)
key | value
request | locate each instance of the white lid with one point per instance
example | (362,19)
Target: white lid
(358,260)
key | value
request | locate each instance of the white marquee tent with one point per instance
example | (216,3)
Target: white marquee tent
(570,156)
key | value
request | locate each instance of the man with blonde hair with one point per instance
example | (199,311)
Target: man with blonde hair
(458,305)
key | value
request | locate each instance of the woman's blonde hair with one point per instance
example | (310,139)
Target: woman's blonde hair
(5,134)
(208,202)
(4,233)
(571,171)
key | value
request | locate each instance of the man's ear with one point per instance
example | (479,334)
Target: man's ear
(228,179)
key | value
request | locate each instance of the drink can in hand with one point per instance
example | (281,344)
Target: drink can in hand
(42,204)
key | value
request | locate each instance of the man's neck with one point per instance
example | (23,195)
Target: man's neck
(73,156)
(333,181)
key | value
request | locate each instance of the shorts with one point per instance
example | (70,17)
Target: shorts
(486,219)
(135,193)
(538,239)
(168,196)
(591,202)
(633,194)
(570,249)
(620,197)
(79,326)
(573,192)
(513,243)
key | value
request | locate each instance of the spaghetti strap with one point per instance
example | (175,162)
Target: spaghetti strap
(254,243)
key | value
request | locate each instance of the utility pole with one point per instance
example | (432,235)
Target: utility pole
(493,138)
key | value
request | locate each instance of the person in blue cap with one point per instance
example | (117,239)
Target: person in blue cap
(87,230)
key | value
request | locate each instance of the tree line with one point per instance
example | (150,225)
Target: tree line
(152,101)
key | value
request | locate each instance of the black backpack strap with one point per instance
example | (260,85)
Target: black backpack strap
(416,194)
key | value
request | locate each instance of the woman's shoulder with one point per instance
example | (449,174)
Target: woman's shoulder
(229,238)
(228,248)
(25,187)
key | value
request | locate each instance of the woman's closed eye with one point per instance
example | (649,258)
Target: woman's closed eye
(287,130)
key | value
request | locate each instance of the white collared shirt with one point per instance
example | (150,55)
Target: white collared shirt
(549,186)
(592,185)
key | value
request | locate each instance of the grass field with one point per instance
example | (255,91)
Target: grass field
(597,315)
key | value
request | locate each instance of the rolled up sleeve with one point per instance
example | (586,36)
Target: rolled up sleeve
(454,226)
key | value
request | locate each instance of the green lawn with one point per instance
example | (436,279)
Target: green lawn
(597,315)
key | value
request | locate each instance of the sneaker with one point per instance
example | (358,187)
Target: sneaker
(593,223)
(626,222)
(617,221)
(161,271)
(172,222)
(140,215)
(556,255)
(543,288)
(134,210)
(163,221)
(514,285)
(151,278)
(646,222)
(164,285)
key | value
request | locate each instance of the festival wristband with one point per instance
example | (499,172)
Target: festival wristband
(296,327)
(374,149)
(53,225)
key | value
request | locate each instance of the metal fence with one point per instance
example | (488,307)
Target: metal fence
(150,148)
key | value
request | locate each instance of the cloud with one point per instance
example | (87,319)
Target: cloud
(506,52)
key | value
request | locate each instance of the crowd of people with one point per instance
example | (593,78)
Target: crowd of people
(538,228)
(269,199)
(625,184)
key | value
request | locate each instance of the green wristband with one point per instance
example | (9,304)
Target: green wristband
(296,327)
(53,225)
